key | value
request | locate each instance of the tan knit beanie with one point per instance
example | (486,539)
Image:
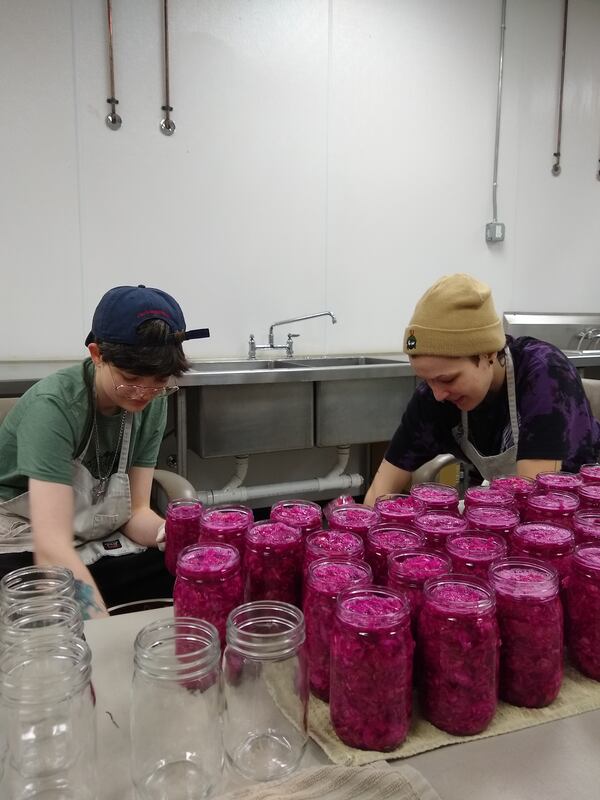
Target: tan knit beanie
(455,317)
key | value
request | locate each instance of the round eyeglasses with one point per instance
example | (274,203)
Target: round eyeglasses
(134,392)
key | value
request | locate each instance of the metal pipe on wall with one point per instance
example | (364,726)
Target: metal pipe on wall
(242,494)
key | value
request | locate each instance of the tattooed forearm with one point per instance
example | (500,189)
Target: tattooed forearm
(84,594)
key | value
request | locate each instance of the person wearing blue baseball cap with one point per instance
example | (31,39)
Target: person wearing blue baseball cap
(78,451)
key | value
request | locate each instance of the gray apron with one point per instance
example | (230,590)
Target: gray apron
(504,463)
(95,525)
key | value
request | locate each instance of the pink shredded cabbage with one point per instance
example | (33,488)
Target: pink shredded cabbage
(384,539)
(552,543)
(407,572)
(371,670)
(399,508)
(502,521)
(273,563)
(355,517)
(326,579)
(438,525)
(553,507)
(208,584)
(530,619)
(488,496)
(590,473)
(182,528)
(520,486)
(226,524)
(436,496)
(301,514)
(473,553)
(323,544)
(583,610)
(458,640)
(589,495)
(586,526)
(558,481)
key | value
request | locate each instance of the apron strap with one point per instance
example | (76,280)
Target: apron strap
(125,443)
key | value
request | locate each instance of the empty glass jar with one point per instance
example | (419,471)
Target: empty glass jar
(530,619)
(47,712)
(459,644)
(182,528)
(370,694)
(36,582)
(265,682)
(326,579)
(176,743)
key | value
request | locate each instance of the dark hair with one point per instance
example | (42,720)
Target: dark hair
(160,352)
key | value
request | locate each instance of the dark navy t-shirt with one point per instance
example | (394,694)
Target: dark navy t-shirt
(555,419)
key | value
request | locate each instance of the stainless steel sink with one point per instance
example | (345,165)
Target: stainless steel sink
(242,366)
(582,353)
(340,361)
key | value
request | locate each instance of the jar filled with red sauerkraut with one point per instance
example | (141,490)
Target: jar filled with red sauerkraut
(490,519)
(589,496)
(226,524)
(552,544)
(371,669)
(554,507)
(326,544)
(436,526)
(530,619)
(586,526)
(459,646)
(387,538)
(590,473)
(301,514)
(558,481)
(436,496)
(487,496)
(208,584)
(356,518)
(182,528)
(273,562)
(472,553)
(407,573)
(400,509)
(521,487)
(326,579)
(583,610)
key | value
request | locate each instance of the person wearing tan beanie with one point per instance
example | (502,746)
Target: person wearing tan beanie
(506,406)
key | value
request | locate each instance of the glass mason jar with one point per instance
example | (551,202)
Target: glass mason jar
(36,582)
(326,544)
(491,519)
(265,682)
(436,496)
(208,583)
(226,523)
(521,487)
(40,617)
(583,610)
(342,500)
(384,539)
(487,496)
(556,508)
(473,553)
(301,514)
(586,526)
(400,509)
(590,473)
(530,619)
(326,579)
(356,518)
(407,573)
(273,562)
(182,528)
(558,482)
(552,544)
(176,745)
(436,526)
(48,716)
(589,496)
(370,696)
(459,646)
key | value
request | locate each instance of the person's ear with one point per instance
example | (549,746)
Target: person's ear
(95,353)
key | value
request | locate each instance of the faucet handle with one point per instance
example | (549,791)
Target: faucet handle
(289,347)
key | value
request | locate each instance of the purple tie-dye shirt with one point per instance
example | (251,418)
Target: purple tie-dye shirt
(555,419)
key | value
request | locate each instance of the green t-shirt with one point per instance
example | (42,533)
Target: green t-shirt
(50,425)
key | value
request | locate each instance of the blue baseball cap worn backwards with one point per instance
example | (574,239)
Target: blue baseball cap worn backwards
(123,309)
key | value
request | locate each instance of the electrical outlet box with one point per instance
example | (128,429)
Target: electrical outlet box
(494,232)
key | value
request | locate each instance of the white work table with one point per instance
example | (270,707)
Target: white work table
(554,761)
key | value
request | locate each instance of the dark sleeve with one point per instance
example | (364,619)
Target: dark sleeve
(424,432)
(554,415)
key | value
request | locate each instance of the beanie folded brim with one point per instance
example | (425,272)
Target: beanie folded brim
(421,341)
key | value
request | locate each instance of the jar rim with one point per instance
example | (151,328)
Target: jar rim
(579,557)
(37,581)
(505,581)
(485,602)
(155,648)
(388,527)
(286,634)
(311,538)
(313,578)
(396,559)
(384,618)
(188,570)
(563,536)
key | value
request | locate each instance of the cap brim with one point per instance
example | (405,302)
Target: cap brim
(198,333)
(89,338)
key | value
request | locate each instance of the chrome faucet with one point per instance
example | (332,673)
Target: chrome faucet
(289,345)
(588,335)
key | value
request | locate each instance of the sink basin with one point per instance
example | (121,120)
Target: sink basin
(340,361)
(581,353)
(241,366)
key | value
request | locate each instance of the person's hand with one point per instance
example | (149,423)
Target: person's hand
(160,538)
